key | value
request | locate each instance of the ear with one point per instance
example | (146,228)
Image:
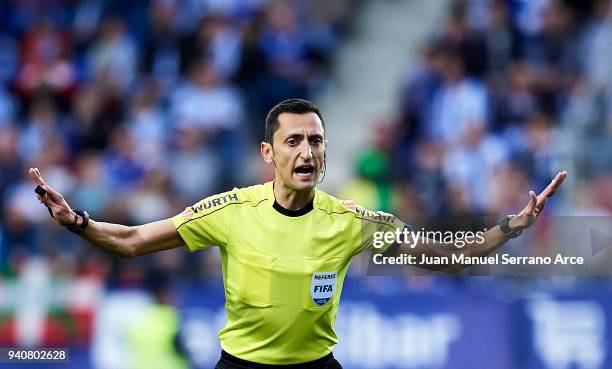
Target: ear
(267,152)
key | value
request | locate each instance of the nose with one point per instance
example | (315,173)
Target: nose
(306,151)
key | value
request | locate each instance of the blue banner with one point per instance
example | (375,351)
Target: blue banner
(381,324)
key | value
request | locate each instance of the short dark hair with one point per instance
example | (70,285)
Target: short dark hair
(295,106)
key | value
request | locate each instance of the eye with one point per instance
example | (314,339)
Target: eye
(292,142)
(316,141)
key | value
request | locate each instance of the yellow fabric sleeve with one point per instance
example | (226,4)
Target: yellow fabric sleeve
(207,223)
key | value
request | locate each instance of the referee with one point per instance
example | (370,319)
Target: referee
(285,246)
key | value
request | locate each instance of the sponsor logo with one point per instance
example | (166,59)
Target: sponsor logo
(214,202)
(377,216)
(322,287)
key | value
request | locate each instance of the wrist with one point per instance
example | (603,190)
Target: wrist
(510,226)
(81,222)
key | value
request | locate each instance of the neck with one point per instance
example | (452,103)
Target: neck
(291,199)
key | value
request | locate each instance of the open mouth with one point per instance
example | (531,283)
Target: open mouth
(304,170)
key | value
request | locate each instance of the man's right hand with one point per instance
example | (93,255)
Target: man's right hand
(118,239)
(58,207)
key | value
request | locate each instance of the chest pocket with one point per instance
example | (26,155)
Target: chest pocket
(254,283)
(324,280)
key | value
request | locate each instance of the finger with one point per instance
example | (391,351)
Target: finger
(46,202)
(50,212)
(556,182)
(554,185)
(52,194)
(540,206)
(533,200)
(551,186)
(42,196)
(41,192)
(551,189)
(43,189)
(36,177)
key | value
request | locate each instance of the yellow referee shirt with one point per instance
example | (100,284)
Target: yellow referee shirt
(282,274)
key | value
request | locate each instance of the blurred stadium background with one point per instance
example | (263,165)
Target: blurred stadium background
(136,109)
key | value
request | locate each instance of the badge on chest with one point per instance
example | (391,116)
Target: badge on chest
(322,287)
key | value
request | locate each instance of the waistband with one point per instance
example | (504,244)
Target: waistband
(315,364)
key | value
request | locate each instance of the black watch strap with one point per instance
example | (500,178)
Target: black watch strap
(504,225)
(80,228)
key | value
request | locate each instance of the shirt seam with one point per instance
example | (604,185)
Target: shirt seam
(378,222)
(336,212)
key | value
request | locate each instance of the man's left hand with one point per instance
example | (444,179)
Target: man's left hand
(530,213)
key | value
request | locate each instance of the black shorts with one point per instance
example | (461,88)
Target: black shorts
(228,361)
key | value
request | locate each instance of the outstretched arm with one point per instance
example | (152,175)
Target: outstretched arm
(493,238)
(119,239)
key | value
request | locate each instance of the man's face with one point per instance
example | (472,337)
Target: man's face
(298,150)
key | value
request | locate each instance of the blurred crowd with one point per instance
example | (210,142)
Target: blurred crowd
(503,95)
(135,109)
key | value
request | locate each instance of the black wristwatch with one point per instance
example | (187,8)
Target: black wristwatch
(505,227)
(79,228)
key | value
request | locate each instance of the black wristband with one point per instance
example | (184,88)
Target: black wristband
(505,227)
(80,228)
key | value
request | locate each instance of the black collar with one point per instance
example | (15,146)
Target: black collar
(293,213)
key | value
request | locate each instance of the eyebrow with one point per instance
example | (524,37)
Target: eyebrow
(300,136)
